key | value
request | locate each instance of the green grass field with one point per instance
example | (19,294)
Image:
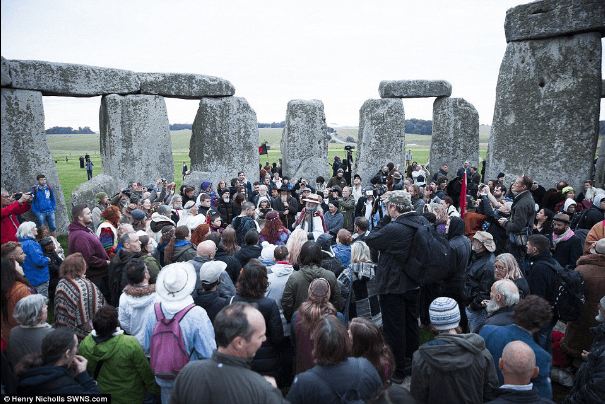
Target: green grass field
(74,146)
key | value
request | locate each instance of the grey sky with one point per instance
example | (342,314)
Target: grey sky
(272,51)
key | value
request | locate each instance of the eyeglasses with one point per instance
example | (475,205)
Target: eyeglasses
(499,267)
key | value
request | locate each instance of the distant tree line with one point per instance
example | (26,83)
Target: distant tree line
(418,126)
(68,130)
(180,126)
(272,124)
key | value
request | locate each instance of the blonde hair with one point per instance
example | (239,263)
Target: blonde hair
(294,244)
(512,268)
(360,252)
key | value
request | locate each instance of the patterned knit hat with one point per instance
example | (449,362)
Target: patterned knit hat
(444,313)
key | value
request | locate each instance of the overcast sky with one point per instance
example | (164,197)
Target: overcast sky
(272,51)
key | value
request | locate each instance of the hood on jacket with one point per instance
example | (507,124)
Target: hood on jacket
(105,348)
(140,296)
(568,203)
(42,375)
(282,269)
(158,221)
(592,259)
(311,272)
(75,226)
(456,228)
(124,256)
(454,353)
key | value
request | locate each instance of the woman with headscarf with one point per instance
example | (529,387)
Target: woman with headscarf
(190,217)
(107,231)
(206,188)
(274,231)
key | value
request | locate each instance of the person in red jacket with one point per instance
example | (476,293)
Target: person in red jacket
(10,210)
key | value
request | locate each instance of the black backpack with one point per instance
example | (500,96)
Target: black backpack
(431,259)
(568,297)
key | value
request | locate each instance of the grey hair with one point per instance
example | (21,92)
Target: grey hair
(29,309)
(188,205)
(25,230)
(512,267)
(504,287)
(360,252)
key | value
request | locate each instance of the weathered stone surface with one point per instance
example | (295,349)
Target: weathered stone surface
(25,153)
(181,85)
(71,79)
(414,88)
(304,141)
(547,110)
(6,76)
(85,193)
(135,138)
(599,177)
(224,139)
(603,89)
(195,179)
(455,135)
(381,137)
(552,18)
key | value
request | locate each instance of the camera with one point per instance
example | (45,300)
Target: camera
(349,147)
(163,180)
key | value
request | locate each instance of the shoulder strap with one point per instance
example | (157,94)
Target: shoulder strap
(98,369)
(158,311)
(179,316)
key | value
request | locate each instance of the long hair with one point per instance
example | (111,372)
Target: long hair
(360,252)
(314,309)
(295,243)
(111,214)
(73,266)
(273,226)
(229,241)
(512,268)
(368,342)
(179,233)
(332,344)
(9,277)
(199,234)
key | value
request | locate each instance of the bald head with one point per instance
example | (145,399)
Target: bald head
(518,363)
(206,248)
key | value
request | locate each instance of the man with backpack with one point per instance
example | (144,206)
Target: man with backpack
(542,281)
(393,237)
(177,331)
(244,222)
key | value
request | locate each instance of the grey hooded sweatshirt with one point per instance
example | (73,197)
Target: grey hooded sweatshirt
(453,368)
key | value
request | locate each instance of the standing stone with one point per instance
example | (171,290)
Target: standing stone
(86,192)
(304,141)
(25,153)
(224,139)
(547,110)
(381,137)
(455,135)
(195,179)
(414,88)
(599,177)
(6,76)
(135,138)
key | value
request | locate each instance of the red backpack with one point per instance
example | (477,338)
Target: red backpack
(167,349)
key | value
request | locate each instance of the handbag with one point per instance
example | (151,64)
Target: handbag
(519,239)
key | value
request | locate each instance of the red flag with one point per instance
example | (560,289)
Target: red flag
(463,196)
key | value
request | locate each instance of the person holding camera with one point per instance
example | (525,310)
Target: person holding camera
(10,209)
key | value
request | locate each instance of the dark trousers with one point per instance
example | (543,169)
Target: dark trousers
(400,325)
(103,285)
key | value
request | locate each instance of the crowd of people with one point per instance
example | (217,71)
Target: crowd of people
(235,291)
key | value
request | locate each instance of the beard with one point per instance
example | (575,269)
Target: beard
(491,307)
(311,209)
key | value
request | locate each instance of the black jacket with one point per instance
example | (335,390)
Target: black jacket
(247,252)
(360,208)
(541,278)
(567,252)
(589,386)
(233,264)
(394,242)
(211,301)
(479,280)
(117,273)
(56,380)
(501,317)
(593,216)
(522,212)
(289,219)
(505,396)
(331,263)
(267,359)
(461,248)
(498,232)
